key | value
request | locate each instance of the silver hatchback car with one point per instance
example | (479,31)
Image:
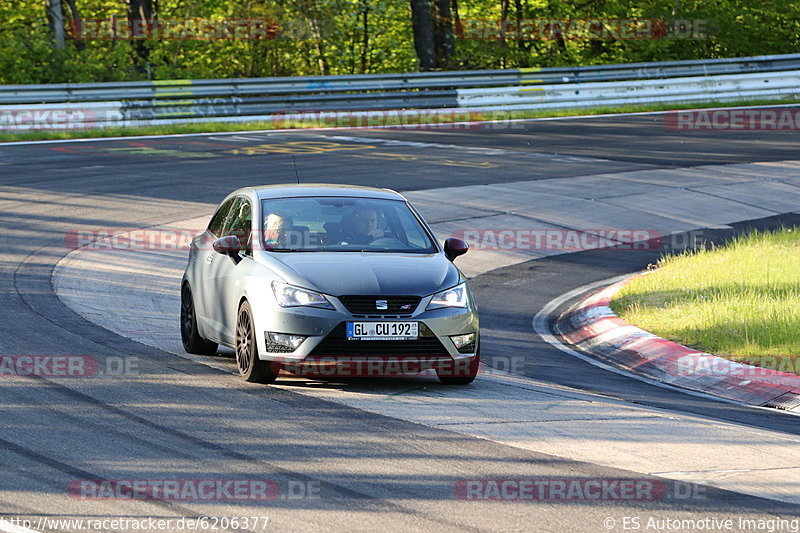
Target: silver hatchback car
(328,281)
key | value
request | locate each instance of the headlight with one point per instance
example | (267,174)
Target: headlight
(455,297)
(291,296)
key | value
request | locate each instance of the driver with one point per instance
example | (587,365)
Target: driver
(363,228)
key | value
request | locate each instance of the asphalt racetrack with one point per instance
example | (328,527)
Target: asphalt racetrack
(329,459)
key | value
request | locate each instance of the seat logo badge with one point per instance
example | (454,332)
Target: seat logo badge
(381,305)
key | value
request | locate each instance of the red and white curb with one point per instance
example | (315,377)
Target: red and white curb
(593,327)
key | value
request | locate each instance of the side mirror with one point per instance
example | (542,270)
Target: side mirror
(229,245)
(454,247)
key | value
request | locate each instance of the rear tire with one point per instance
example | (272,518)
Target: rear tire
(467,375)
(251,368)
(192,341)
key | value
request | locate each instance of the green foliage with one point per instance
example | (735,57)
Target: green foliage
(738,300)
(330,37)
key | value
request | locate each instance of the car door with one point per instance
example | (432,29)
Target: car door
(202,257)
(222,283)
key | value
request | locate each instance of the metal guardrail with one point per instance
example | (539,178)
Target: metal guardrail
(686,90)
(172,101)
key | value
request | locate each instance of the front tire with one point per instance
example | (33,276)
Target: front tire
(192,341)
(251,368)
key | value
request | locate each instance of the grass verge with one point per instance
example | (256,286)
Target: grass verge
(740,301)
(220,127)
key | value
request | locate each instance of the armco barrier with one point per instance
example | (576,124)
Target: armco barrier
(694,89)
(181,101)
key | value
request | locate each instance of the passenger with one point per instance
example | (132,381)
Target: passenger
(276,229)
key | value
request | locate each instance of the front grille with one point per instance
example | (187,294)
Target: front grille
(336,344)
(273,347)
(365,305)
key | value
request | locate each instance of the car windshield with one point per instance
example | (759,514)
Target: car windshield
(342,224)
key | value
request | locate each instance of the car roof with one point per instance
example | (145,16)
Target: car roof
(287,190)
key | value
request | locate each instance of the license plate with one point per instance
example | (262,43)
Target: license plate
(382,331)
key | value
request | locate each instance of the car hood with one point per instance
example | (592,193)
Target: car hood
(340,273)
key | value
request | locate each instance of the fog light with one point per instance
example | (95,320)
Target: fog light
(284,340)
(463,340)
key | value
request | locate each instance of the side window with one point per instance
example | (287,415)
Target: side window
(218,220)
(239,222)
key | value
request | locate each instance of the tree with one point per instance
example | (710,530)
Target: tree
(55,18)
(422,25)
(443,33)
(365,37)
(75,21)
(144,12)
(316,23)
(432,24)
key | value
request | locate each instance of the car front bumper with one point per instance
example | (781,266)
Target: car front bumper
(326,344)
